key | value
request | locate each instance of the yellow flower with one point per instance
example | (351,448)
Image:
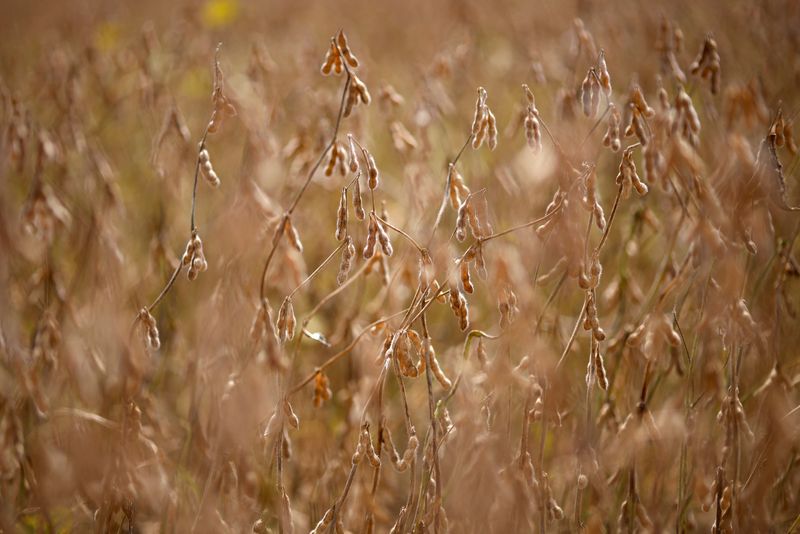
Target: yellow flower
(217,13)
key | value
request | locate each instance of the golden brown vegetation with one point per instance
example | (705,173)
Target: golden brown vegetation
(324,300)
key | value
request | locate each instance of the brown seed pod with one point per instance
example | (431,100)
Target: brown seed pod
(480,262)
(587,88)
(480,111)
(611,138)
(207,170)
(294,421)
(599,366)
(352,154)
(457,189)
(358,206)
(602,71)
(349,57)
(707,63)
(372,171)
(491,126)
(383,238)
(466,283)
(322,390)
(348,253)
(294,236)
(372,238)
(330,59)
(436,369)
(341,216)
(194,257)
(461,220)
(150,329)
(636,97)
(286,322)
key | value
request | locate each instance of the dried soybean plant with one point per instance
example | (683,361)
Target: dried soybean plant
(193,258)
(586,327)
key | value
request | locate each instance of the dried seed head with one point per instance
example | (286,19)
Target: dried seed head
(348,254)
(350,58)
(461,220)
(341,216)
(491,129)
(480,262)
(436,369)
(206,169)
(611,138)
(372,171)
(222,104)
(602,70)
(458,303)
(599,366)
(484,123)
(627,176)
(333,155)
(358,206)
(457,189)
(590,199)
(587,93)
(294,421)
(194,257)
(322,391)
(636,98)
(383,239)
(331,58)
(150,329)
(707,64)
(372,238)
(466,283)
(356,92)
(686,120)
(480,111)
(352,154)
(532,128)
(286,322)
(294,236)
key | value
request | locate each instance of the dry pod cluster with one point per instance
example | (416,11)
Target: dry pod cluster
(151,337)
(484,124)
(194,258)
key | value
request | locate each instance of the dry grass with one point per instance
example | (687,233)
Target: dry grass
(324,300)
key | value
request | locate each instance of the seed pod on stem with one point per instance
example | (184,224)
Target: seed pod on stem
(349,57)
(294,236)
(372,238)
(372,171)
(207,170)
(532,128)
(466,282)
(341,216)
(480,111)
(151,337)
(602,70)
(436,369)
(611,138)
(383,239)
(294,421)
(322,390)
(358,205)
(352,154)
(348,253)
(461,220)
(194,257)
(491,129)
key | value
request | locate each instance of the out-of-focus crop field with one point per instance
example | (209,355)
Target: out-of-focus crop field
(399,266)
